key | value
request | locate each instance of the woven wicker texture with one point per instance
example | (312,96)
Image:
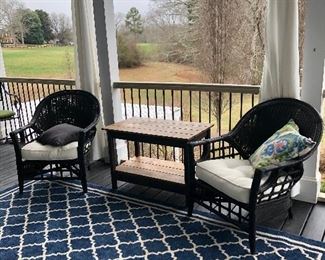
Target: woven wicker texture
(264,119)
(76,107)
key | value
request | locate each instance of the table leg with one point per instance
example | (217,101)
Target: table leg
(113,160)
(136,149)
(188,177)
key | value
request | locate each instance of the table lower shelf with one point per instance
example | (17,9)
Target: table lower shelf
(152,169)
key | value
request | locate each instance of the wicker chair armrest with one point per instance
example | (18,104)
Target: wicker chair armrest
(20,135)
(21,129)
(210,140)
(209,150)
(86,137)
(274,173)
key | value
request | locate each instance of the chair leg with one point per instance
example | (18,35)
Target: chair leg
(20,183)
(252,233)
(290,214)
(190,206)
(83,177)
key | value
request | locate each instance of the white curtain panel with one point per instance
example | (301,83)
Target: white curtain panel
(281,64)
(87,72)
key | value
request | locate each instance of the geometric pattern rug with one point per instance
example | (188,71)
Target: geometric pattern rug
(55,220)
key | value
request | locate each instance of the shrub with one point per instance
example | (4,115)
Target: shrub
(128,54)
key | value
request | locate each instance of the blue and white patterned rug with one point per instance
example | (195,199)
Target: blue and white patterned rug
(54,220)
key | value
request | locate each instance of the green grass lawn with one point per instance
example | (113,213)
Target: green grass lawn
(52,62)
(46,62)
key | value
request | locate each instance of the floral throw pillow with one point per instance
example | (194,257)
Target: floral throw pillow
(283,145)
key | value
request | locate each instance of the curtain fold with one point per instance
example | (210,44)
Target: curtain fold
(281,64)
(87,72)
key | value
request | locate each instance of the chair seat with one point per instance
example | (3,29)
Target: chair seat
(6,114)
(233,177)
(36,151)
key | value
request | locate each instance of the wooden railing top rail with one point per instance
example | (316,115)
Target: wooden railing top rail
(38,80)
(233,88)
(212,87)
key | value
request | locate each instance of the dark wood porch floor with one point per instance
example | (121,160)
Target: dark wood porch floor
(308,220)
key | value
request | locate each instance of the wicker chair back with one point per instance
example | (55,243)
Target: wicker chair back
(76,107)
(258,124)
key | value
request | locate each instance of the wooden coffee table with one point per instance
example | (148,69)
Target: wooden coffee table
(168,175)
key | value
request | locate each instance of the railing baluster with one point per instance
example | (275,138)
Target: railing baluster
(200,116)
(132,102)
(173,118)
(209,110)
(190,96)
(38,91)
(124,102)
(241,104)
(140,115)
(230,110)
(148,114)
(156,106)
(43,89)
(219,116)
(164,103)
(156,113)
(181,103)
(164,112)
(148,104)
(139,97)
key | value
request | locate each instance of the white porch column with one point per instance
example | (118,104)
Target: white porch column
(312,85)
(108,65)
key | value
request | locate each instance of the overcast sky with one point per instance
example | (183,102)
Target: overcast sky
(63,6)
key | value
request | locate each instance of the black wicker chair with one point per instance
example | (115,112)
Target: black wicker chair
(268,193)
(10,112)
(75,107)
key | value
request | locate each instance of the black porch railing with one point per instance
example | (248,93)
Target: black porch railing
(28,92)
(220,104)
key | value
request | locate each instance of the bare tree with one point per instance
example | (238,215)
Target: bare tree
(173,20)
(11,13)
(254,29)
(62,28)
(213,45)
(119,19)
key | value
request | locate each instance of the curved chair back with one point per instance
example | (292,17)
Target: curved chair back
(259,123)
(76,107)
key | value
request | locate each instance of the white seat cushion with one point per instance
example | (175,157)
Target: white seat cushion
(233,177)
(36,151)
